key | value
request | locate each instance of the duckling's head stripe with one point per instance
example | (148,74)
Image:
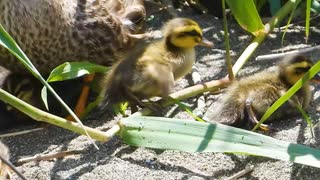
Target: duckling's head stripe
(182,33)
(180,26)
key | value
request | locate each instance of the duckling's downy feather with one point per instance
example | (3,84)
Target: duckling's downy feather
(262,89)
(151,69)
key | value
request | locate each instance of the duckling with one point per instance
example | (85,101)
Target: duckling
(151,69)
(250,97)
(52,32)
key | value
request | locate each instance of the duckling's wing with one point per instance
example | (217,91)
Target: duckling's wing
(154,79)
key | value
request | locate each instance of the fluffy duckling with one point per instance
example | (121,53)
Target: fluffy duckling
(151,69)
(250,97)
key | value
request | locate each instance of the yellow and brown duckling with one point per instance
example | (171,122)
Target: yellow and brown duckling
(151,69)
(247,99)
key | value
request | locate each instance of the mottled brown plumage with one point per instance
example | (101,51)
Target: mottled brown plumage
(259,91)
(52,32)
(55,31)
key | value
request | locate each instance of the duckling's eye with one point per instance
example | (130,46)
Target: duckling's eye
(301,70)
(190,33)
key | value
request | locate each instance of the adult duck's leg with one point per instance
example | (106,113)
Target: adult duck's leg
(83,98)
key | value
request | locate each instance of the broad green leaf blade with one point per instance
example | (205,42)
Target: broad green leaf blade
(312,72)
(247,15)
(193,136)
(71,70)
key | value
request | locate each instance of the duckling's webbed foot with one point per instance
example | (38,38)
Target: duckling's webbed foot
(134,100)
(252,116)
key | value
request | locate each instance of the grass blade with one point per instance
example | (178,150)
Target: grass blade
(193,136)
(288,22)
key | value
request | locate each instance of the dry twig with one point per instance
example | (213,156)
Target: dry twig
(281,55)
(20,132)
(241,173)
(45,157)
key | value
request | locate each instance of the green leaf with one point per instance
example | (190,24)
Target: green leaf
(193,136)
(247,15)
(315,6)
(71,70)
(312,72)
(44,97)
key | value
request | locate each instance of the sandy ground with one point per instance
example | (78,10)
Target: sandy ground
(116,160)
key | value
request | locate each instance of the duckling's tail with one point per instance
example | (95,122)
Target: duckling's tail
(111,95)
(228,113)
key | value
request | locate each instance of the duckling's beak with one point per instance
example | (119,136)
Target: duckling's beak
(206,43)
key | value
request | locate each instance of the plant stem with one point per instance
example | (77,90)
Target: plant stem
(226,41)
(276,19)
(187,93)
(40,115)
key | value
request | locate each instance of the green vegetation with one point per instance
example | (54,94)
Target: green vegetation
(178,134)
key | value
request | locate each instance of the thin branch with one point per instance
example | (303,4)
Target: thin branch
(281,55)
(20,133)
(12,167)
(226,41)
(241,173)
(187,93)
(46,157)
